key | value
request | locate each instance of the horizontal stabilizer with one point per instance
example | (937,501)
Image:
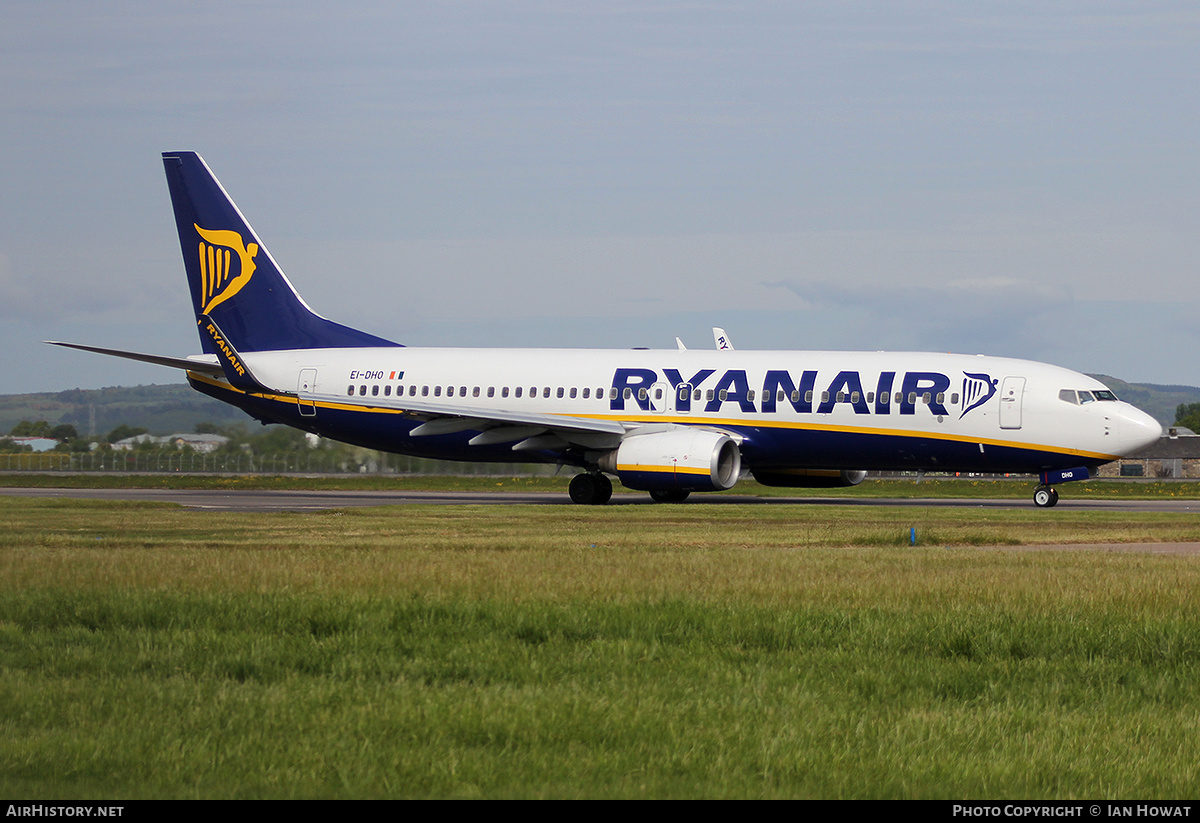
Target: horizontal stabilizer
(203,363)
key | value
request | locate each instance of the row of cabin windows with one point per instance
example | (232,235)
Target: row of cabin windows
(711,394)
(423,391)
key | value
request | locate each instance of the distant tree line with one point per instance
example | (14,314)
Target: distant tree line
(274,440)
(1188,416)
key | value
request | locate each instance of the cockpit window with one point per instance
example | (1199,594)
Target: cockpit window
(1084,397)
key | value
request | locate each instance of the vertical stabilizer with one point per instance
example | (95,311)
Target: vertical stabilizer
(233,278)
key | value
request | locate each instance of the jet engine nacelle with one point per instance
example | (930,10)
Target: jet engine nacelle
(683,459)
(811,478)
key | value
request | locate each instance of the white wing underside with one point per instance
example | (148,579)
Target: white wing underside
(528,430)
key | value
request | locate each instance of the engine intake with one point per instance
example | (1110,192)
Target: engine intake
(684,459)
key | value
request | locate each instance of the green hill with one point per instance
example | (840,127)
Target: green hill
(168,409)
(161,409)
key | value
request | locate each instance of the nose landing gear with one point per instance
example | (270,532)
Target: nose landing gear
(1044,497)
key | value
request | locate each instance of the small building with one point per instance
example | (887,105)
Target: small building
(38,444)
(203,443)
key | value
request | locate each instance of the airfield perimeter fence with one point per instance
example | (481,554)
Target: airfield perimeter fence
(291,463)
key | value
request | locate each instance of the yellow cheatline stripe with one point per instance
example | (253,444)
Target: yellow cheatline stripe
(706,421)
(642,467)
(744,423)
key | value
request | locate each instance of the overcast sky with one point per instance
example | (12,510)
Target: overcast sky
(1010,178)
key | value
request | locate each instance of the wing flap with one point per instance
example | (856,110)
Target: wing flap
(495,425)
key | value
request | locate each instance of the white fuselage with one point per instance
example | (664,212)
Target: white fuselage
(787,408)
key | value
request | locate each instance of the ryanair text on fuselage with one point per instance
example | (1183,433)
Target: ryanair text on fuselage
(888,390)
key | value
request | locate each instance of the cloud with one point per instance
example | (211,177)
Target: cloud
(994,315)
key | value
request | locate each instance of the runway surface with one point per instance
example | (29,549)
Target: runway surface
(300,501)
(296,500)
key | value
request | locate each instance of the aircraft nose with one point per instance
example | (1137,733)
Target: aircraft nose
(1136,430)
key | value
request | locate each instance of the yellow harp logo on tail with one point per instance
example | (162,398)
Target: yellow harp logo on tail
(219,280)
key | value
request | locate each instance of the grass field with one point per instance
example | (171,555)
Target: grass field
(686,651)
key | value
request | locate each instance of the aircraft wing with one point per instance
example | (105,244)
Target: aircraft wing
(203,363)
(526,430)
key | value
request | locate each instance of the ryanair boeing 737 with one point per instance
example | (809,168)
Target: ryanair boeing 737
(668,422)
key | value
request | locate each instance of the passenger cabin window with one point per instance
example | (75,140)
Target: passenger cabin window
(350,391)
(375,391)
(587,392)
(516,391)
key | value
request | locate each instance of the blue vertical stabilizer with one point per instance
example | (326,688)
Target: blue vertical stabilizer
(233,278)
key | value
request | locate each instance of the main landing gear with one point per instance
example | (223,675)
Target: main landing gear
(1044,497)
(590,489)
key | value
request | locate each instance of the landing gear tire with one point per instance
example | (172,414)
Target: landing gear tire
(669,495)
(590,489)
(1044,497)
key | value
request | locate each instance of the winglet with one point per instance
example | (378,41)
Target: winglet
(722,340)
